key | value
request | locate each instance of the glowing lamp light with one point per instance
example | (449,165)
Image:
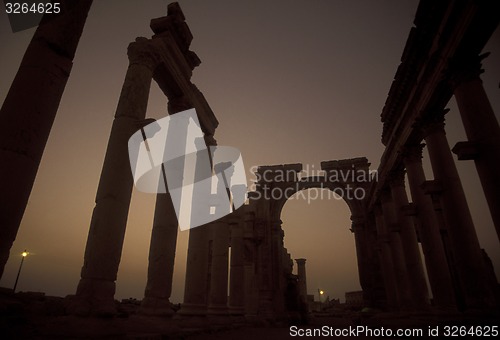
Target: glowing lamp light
(23,254)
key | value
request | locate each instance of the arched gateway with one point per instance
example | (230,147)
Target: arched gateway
(350,179)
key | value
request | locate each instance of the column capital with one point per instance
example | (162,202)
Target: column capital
(396,177)
(300,261)
(412,153)
(432,122)
(466,68)
(142,52)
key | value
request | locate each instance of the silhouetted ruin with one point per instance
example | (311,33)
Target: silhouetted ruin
(441,59)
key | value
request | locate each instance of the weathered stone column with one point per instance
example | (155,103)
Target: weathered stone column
(217,298)
(302,283)
(398,255)
(278,278)
(388,269)
(251,284)
(109,219)
(237,279)
(466,247)
(432,246)
(376,297)
(415,269)
(29,109)
(482,129)
(197,284)
(358,228)
(165,226)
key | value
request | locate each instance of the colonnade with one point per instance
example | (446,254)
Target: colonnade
(439,216)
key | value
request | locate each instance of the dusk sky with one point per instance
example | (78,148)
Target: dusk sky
(289,81)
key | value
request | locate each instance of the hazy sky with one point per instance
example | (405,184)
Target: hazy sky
(289,81)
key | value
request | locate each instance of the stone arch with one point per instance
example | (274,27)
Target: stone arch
(274,186)
(312,182)
(344,176)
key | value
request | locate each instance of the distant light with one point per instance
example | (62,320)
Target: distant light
(321,292)
(25,253)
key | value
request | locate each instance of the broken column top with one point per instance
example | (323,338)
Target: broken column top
(175,24)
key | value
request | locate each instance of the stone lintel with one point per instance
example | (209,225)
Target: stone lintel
(466,151)
(359,163)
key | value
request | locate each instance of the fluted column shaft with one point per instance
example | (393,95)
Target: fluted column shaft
(217,298)
(302,283)
(465,243)
(237,279)
(165,226)
(197,283)
(482,128)
(29,110)
(109,219)
(396,246)
(363,255)
(418,286)
(388,269)
(432,245)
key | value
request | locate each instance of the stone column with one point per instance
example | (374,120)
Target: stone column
(237,279)
(217,298)
(165,225)
(29,109)
(109,219)
(418,286)
(377,297)
(251,282)
(302,279)
(432,246)
(482,129)
(456,211)
(362,255)
(195,286)
(396,246)
(388,269)
(197,268)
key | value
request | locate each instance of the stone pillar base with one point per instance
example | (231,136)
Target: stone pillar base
(156,307)
(191,309)
(93,298)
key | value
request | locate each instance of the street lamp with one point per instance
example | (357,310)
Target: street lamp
(23,254)
(320,293)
